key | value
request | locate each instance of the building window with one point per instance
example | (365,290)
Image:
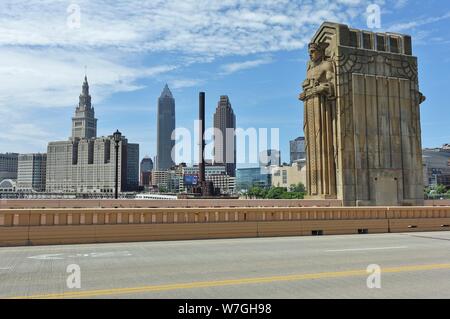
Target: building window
(285,177)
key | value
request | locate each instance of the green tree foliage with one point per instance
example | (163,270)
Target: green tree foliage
(436,190)
(276,193)
(162,189)
(298,188)
(257,192)
(294,192)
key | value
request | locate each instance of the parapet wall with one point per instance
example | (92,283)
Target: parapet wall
(75,226)
(179,203)
(200,203)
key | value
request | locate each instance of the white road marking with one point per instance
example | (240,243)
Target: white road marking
(47,257)
(83,255)
(103,254)
(365,249)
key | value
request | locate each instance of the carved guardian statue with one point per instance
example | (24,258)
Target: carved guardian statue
(319,106)
(362,118)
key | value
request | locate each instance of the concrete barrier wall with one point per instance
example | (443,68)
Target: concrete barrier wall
(95,203)
(199,203)
(438,202)
(70,226)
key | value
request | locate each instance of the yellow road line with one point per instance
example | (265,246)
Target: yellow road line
(231,282)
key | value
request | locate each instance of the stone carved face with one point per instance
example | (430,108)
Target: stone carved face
(315,54)
(317,51)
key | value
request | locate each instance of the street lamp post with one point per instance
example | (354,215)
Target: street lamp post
(117,138)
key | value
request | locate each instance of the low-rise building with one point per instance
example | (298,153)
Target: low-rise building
(217,174)
(436,163)
(8,186)
(8,166)
(161,179)
(285,176)
(31,175)
(246,178)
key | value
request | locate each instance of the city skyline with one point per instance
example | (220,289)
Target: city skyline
(262,80)
(183,150)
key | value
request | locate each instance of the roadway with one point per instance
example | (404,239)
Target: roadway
(414,265)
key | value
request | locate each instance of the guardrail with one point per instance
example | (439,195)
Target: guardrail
(64,226)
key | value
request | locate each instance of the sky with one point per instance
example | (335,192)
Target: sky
(254,51)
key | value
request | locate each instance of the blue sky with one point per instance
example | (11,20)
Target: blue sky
(252,51)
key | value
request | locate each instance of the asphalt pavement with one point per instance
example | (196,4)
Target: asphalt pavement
(413,265)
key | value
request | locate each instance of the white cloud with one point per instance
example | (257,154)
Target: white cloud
(184,83)
(21,137)
(239,66)
(52,77)
(42,60)
(401,27)
(400,4)
(189,26)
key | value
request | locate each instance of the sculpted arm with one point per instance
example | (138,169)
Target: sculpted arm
(307,85)
(326,85)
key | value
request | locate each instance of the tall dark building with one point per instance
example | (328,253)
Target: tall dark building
(146,171)
(225,145)
(165,127)
(146,164)
(132,161)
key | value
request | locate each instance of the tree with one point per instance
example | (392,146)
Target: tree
(297,188)
(295,192)
(440,189)
(257,192)
(436,190)
(276,193)
(162,189)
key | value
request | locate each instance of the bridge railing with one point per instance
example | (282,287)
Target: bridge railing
(59,226)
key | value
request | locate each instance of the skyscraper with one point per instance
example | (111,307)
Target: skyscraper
(165,127)
(297,149)
(85,163)
(225,145)
(84,123)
